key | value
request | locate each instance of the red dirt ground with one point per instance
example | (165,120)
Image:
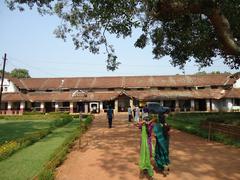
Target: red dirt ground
(114,153)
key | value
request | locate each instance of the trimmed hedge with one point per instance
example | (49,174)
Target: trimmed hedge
(8,148)
(83,115)
(50,116)
(59,156)
(191,123)
(32,113)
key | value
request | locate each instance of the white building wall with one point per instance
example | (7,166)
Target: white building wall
(237,84)
(219,105)
(229,104)
(8,86)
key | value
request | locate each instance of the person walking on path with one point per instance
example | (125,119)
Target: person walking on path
(137,114)
(161,131)
(129,114)
(110,116)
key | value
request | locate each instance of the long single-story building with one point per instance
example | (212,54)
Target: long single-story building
(212,92)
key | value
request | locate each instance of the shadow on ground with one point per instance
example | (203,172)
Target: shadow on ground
(114,154)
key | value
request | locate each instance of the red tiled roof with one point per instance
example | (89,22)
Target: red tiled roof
(177,94)
(192,80)
(127,82)
(233,93)
(14,97)
(49,96)
(111,95)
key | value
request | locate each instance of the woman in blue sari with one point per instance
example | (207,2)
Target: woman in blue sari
(161,156)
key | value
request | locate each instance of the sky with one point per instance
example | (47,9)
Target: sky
(28,40)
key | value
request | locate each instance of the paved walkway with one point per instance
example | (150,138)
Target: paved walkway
(113,154)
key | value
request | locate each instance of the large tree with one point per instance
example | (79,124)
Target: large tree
(182,29)
(20,73)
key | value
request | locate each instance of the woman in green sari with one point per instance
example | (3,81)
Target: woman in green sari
(145,149)
(160,130)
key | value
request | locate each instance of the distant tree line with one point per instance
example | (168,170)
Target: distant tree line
(18,73)
(213,72)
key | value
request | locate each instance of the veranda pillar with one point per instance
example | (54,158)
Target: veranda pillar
(192,108)
(116,106)
(56,107)
(71,107)
(86,108)
(22,107)
(101,107)
(131,103)
(177,109)
(9,108)
(42,107)
(208,105)
(161,102)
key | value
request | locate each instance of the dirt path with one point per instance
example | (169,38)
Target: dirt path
(114,153)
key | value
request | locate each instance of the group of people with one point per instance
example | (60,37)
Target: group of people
(158,154)
(135,113)
(154,148)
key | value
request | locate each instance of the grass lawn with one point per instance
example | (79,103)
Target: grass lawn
(191,123)
(27,162)
(12,129)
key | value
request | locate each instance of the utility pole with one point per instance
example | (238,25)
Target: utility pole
(3,72)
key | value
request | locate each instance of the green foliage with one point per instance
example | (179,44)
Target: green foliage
(60,154)
(15,129)
(182,29)
(191,123)
(30,160)
(8,148)
(46,175)
(20,73)
(36,116)
(61,121)
(213,72)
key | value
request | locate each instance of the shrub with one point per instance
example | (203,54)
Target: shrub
(60,154)
(50,116)
(32,113)
(191,123)
(10,147)
(57,113)
(46,174)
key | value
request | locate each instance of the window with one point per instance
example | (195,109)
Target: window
(161,88)
(48,90)
(24,91)
(201,87)
(110,89)
(237,102)
(174,88)
(65,90)
(66,104)
(214,87)
(139,89)
(5,88)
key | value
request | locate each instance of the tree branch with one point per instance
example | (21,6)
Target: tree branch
(223,29)
(174,8)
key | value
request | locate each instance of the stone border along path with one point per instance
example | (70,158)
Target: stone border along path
(114,153)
